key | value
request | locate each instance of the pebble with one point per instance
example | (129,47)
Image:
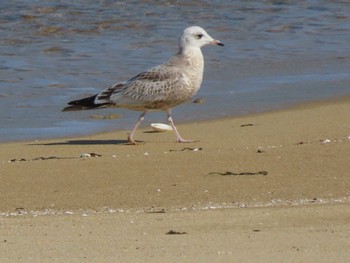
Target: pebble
(87,155)
(326,141)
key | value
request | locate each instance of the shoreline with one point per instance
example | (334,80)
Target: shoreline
(208,119)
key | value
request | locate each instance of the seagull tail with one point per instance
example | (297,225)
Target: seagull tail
(85,104)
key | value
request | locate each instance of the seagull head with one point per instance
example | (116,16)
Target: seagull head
(195,36)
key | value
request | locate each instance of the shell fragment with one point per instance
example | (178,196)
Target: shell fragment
(161,127)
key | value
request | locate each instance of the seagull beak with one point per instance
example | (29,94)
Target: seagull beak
(216,42)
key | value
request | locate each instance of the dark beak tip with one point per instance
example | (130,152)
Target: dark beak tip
(220,44)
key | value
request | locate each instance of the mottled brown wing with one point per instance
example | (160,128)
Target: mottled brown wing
(154,85)
(153,89)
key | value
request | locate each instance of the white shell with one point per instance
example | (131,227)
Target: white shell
(161,127)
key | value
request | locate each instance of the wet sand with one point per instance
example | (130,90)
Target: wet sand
(267,187)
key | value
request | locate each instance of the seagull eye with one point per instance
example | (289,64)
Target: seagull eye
(199,36)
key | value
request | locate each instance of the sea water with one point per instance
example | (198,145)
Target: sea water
(277,53)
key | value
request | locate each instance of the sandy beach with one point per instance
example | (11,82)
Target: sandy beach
(270,187)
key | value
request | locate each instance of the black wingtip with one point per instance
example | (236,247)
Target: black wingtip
(85,104)
(82,104)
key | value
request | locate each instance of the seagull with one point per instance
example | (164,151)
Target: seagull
(160,88)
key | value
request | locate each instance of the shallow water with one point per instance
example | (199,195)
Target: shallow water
(277,53)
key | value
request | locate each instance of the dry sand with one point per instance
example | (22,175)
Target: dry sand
(272,187)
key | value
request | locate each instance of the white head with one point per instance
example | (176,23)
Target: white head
(195,36)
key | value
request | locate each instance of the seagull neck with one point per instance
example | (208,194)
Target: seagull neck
(190,51)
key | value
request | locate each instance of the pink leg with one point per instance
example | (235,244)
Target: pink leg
(139,121)
(171,122)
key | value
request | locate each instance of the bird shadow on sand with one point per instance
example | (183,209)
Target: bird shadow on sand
(85,142)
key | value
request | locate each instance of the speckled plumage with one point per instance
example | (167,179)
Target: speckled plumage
(162,87)
(159,88)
